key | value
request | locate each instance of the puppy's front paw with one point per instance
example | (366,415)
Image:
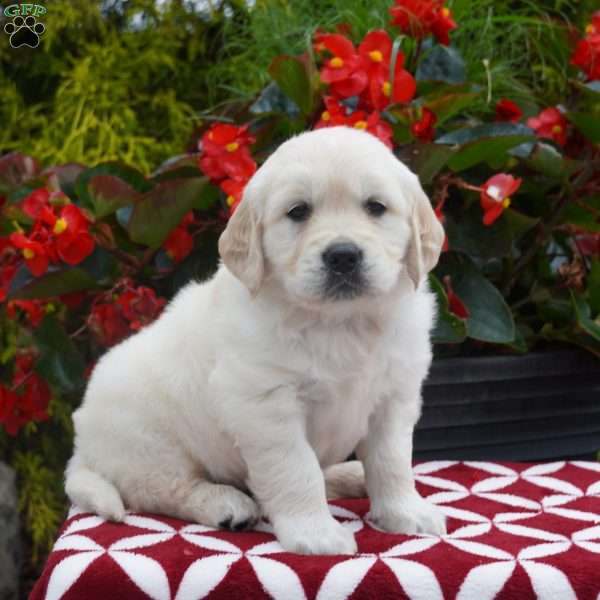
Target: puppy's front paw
(409,515)
(314,535)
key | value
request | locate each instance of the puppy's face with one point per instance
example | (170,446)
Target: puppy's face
(331,217)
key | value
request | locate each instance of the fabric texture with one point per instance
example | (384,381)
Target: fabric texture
(514,531)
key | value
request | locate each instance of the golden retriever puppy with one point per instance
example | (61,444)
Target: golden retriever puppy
(309,343)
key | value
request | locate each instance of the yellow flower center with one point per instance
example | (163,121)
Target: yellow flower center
(230,200)
(28,253)
(360,124)
(325,115)
(590,29)
(506,202)
(376,56)
(232,147)
(336,62)
(386,88)
(557,129)
(445,12)
(59,226)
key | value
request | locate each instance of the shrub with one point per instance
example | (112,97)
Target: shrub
(89,255)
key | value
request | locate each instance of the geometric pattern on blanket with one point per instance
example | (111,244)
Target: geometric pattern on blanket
(515,530)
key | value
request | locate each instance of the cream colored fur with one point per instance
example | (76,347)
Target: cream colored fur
(252,387)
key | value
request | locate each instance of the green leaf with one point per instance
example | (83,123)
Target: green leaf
(588,124)
(469,235)
(427,160)
(583,315)
(578,214)
(490,318)
(161,209)
(292,76)
(484,143)
(60,362)
(449,329)
(447,105)
(108,193)
(128,175)
(54,282)
(546,159)
(442,63)
(67,175)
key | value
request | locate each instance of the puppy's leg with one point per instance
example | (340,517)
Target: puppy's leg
(285,476)
(386,453)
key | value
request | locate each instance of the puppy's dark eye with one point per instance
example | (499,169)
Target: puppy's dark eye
(299,212)
(375,208)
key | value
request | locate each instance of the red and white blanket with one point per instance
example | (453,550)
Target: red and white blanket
(514,531)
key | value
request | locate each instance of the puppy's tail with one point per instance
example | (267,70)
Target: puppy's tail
(92,492)
(345,480)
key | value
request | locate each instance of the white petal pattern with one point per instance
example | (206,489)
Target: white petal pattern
(418,581)
(485,581)
(203,576)
(66,573)
(145,572)
(548,582)
(343,578)
(281,582)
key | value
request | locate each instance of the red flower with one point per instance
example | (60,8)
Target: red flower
(27,400)
(423,129)
(587,56)
(225,152)
(334,113)
(345,71)
(35,253)
(34,309)
(234,191)
(495,195)
(455,304)
(33,204)
(108,323)
(419,18)
(179,244)
(550,123)
(507,110)
(140,306)
(73,240)
(376,50)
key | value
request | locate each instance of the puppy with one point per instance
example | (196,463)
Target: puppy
(309,343)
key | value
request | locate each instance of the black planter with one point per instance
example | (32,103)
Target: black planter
(542,406)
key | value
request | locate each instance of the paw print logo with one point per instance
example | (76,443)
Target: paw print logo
(24,31)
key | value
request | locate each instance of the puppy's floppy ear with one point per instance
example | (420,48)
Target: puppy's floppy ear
(240,246)
(427,237)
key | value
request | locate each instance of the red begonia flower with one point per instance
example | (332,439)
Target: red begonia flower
(33,309)
(234,190)
(419,18)
(550,123)
(107,321)
(225,152)
(73,240)
(33,204)
(346,70)
(376,50)
(36,255)
(179,244)
(334,113)
(507,110)
(140,306)
(424,128)
(495,195)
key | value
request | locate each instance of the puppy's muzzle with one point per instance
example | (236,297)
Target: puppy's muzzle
(343,263)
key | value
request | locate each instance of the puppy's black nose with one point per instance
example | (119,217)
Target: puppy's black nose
(343,257)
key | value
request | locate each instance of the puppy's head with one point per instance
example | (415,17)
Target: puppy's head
(332,216)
